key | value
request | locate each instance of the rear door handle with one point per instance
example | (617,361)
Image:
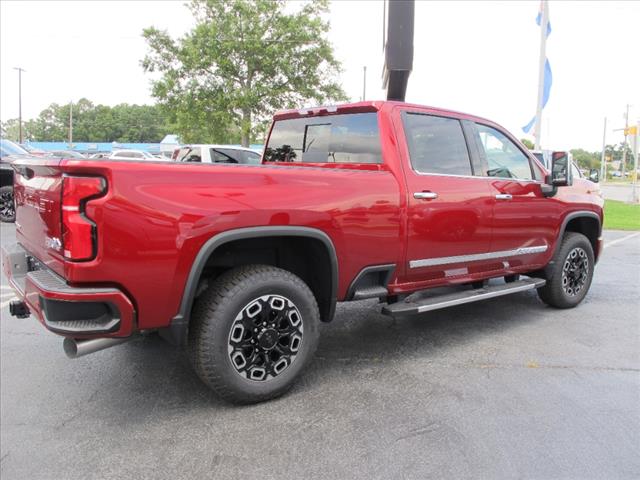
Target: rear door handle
(425,195)
(503,196)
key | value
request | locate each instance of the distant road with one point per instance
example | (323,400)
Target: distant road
(616,191)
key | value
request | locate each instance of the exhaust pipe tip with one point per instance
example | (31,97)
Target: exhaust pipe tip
(70,347)
(19,309)
(79,348)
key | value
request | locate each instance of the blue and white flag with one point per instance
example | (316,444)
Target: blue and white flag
(548,78)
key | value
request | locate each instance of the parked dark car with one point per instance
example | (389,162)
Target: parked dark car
(8,149)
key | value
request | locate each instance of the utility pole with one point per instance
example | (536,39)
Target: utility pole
(20,70)
(544,23)
(70,124)
(634,191)
(603,157)
(364,83)
(624,145)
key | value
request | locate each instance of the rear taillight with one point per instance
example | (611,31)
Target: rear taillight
(78,231)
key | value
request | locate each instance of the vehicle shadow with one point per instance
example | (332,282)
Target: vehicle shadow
(359,337)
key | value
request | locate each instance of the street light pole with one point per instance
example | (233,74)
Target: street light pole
(603,157)
(70,125)
(364,83)
(624,146)
(634,191)
(20,70)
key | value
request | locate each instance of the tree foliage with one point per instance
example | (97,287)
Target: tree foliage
(94,123)
(242,60)
(585,159)
(527,143)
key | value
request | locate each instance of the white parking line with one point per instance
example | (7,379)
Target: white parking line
(5,287)
(609,244)
(6,294)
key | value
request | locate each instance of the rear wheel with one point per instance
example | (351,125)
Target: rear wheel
(572,274)
(7,205)
(253,332)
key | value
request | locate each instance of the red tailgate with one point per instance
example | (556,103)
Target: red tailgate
(38,196)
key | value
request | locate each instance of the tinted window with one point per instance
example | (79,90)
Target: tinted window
(436,144)
(350,138)
(252,157)
(220,155)
(504,158)
(240,156)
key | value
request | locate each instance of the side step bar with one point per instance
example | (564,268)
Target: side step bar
(400,309)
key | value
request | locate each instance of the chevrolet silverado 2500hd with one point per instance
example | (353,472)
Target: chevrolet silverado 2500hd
(240,263)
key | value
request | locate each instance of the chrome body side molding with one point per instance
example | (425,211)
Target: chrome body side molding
(430,262)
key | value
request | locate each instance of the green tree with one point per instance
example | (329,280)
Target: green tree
(614,153)
(585,159)
(527,143)
(95,123)
(242,60)
(11,129)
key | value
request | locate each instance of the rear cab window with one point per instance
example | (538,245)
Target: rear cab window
(436,144)
(351,138)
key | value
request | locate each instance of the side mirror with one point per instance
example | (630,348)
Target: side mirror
(594,175)
(561,169)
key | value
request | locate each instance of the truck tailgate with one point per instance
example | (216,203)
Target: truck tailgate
(38,197)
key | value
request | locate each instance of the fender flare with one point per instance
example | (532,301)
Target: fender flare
(179,324)
(563,227)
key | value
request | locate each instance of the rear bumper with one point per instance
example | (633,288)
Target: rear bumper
(70,311)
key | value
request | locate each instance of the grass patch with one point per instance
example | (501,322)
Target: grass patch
(621,215)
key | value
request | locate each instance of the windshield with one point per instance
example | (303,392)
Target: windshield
(7,147)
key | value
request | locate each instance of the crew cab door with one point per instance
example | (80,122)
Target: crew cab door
(449,209)
(525,222)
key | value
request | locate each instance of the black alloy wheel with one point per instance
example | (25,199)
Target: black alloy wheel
(7,204)
(265,337)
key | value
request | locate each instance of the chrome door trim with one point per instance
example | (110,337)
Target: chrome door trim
(430,262)
(425,195)
(504,196)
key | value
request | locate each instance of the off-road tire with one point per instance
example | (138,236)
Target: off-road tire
(7,214)
(554,293)
(216,312)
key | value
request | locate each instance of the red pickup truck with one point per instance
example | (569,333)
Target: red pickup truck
(240,263)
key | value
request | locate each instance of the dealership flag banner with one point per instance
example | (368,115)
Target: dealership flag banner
(548,79)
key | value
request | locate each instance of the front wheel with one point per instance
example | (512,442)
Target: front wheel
(253,332)
(572,273)
(7,205)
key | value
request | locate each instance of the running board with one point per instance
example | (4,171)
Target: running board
(400,309)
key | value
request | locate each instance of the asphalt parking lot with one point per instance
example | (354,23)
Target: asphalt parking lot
(508,388)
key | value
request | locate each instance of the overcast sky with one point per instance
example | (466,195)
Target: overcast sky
(475,57)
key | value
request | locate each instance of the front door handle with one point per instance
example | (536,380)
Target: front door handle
(425,195)
(503,196)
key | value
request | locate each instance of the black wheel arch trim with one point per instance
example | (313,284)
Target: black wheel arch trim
(387,268)
(563,228)
(176,332)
